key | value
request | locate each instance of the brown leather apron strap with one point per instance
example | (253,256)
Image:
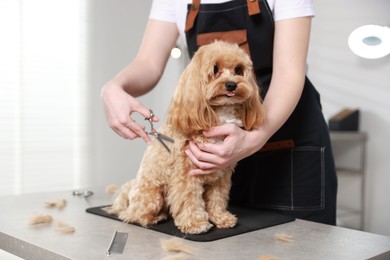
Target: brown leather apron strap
(253,8)
(277,145)
(192,14)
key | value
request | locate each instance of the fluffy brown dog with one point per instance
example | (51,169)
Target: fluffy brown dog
(217,87)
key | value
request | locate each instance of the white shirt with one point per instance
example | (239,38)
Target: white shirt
(175,11)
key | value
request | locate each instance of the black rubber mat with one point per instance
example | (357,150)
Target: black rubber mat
(248,220)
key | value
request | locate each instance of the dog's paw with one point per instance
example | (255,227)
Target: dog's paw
(126,217)
(144,220)
(195,223)
(224,220)
(196,228)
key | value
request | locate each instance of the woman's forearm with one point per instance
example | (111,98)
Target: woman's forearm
(144,72)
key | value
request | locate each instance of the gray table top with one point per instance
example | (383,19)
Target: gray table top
(94,233)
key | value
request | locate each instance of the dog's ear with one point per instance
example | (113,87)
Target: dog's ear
(253,112)
(189,111)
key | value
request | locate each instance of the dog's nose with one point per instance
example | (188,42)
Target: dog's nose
(230,86)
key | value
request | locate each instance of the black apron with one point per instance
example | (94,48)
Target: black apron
(295,172)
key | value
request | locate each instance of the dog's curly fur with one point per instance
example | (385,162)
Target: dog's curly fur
(217,87)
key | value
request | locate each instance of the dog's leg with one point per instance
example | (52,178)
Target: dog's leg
(145,206)
(217,197)
(187,206)
(121,200)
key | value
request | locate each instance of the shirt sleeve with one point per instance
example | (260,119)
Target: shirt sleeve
(286,9)
(163,10)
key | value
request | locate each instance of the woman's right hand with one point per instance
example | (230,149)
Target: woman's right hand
(118,107)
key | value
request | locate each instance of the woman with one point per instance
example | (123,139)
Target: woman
(287,163)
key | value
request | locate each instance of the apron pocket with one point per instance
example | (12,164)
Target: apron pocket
(234,36)
(287,179)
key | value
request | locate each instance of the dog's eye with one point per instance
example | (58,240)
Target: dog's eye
(238,70)
(216,69)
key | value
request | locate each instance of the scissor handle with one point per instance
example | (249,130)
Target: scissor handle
(150,119)
(160,137)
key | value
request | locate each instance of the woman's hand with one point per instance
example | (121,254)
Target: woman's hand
(211,157)
(118,107)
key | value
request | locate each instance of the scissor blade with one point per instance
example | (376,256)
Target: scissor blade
(166,138)
(163,144)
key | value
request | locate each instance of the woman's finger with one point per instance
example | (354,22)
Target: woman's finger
(203,167)
(137,131)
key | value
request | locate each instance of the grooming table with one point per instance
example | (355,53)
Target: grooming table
(94,233)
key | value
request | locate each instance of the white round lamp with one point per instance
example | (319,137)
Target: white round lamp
(175,52)
(370,41)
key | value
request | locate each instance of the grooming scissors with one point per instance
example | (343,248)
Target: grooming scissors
(160,137)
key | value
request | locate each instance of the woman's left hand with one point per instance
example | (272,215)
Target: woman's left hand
(211,157)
